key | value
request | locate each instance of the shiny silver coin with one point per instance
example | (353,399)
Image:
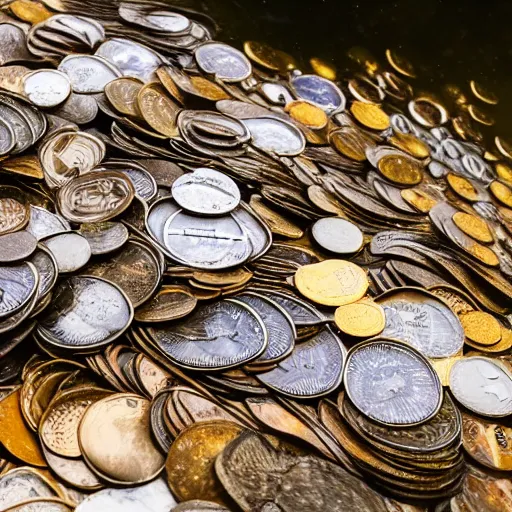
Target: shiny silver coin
(217,336)
(160,20)
(13,46)
(104,237)
(18,283)
(85,313)
(482,385)
(206,191)
(20,126)
(144,184)
(43,223)
(392,383)
(46,87)
(70,250)
(48,270)
(16,246)
(223,61)
(276,136)
(7,138)
(320,91)
(423,321)
(337,235)
(279,325)
(88,74)
(314,368)
(276,93)
(258,233)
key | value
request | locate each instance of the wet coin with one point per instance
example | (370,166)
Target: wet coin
(363,318)
(337,235)
(46,87)
(392,383)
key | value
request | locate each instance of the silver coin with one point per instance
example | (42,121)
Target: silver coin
(78,108)
(47,267)
(104,237)
(43,223)
(276,93)
(276,136)
(85,313)
(257,231)
(423,321)
(144,184)
(7,138)
(70,250)
(165,21)
(482,385)
(314,368)
(87,30)
(18,283)
(216,336)
(337,235)
(19,125)
(320,91)
(280,327)
(206,191)
(16,246)
(223,61)
(13,46)
(46,87)
(156,218)
(207,243)
(392,383)
(88,73)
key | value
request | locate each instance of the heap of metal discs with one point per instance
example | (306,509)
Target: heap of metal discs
(227,284)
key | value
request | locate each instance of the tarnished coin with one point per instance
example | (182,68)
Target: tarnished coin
(16,246)
(216,336)
(337,235)
(392,383)
(114,437)
(206,191)
(18,284)
(70,250)
(223,61)
(332,282)
(313,369)
(13,215)
(482,385)
(319,91)
(170,303)
(46,87)
(85,312)
(104,237)
(191,459)
(122,94)
(481,327)
(363,318)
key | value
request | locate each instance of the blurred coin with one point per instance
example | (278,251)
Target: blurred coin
(199,506)
(319,91)
(223,61)
(483,93)
(369,115)
(502,193)
(268,57)
(400,63)
(323,68)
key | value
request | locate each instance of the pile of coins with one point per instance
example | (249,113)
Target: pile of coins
(227,284)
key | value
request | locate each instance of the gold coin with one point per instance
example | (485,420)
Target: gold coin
(504,172)
(11,78)
(482,93)
(502,193)
(465,129)
(29,166)
(170,85)
(115,439)
(208,89)
(462,187)
(481,327)
(427,111)
(455,94)
(266,56)
(365,90)
(158,110)
(323,68)
(443,367)
(410,144)
(400,64)
(484,254)
(401,169)
(478,115)
(418,199)
(13,215)
(362,318)
(31,12)
(307,114)
(370,115)
(350,142)
(190,463)
(122,94)
(490,157)
(504,146)
(503,345)
(473,226)
(332,282)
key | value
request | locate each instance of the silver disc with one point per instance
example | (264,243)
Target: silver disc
(223,61)
(337,235)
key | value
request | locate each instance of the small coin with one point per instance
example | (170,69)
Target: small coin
(462,187)
(401,169)
(363,318)
(199,506)
(370,115)
(473,226)
(307,114)
(268,57)
(337,235)
(46,87)
(502,193)
(481,327)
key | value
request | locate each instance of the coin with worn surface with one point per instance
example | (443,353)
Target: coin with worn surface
(423,321)
(206,191)
(363,318)
(337,235)
(70,250)
(122,94)
(482,385)
(85,312)
(170,303)
(481,327)
(223,61)
(487,442)
(104,237)
(216,336)
(370,115)
(332,282)
(17,286)
(44,223)
(191,459)
(46,87)
(392,383)
(16,246)
(319,91)
(13,215)
(114,437)
(158,109)
(473,226)
(199,506)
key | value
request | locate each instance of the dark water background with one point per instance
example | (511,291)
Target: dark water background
(448,41)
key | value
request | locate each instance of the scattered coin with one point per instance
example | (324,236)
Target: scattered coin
(363,318)
(337,235)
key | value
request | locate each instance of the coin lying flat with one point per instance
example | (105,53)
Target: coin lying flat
(223,61)
(170,303)
(337,235)
(46,87)
(391,383)
(363,318)
(481,327)
(70,250)
(16,246)
(104,237)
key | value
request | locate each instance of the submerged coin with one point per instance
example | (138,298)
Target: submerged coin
(392,383)
(337,235)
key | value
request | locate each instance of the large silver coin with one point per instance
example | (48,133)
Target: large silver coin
(207,243)
(280,327)
(70,250)
(46,87)
(482,385)
(337,235)
(206,191)
(392,383)
(314,368)
(320,91)
(17,286)
(257,231)
(216,336)
(423,321)
(43,223)
(223,61)
(16,246)
(48,269)
(85,313)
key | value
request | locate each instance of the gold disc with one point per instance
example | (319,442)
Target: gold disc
(332,282)
(473,226)
(418,199)
(410,144)
(208,89)
(481,327)
(401,169)
(323,68)
(504,172)
(350,142)
(502,193)
(462,187)
(370,115)
(363,318)
(270,58)
(478,115)
(504,146)
(307,114)
(484,254)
